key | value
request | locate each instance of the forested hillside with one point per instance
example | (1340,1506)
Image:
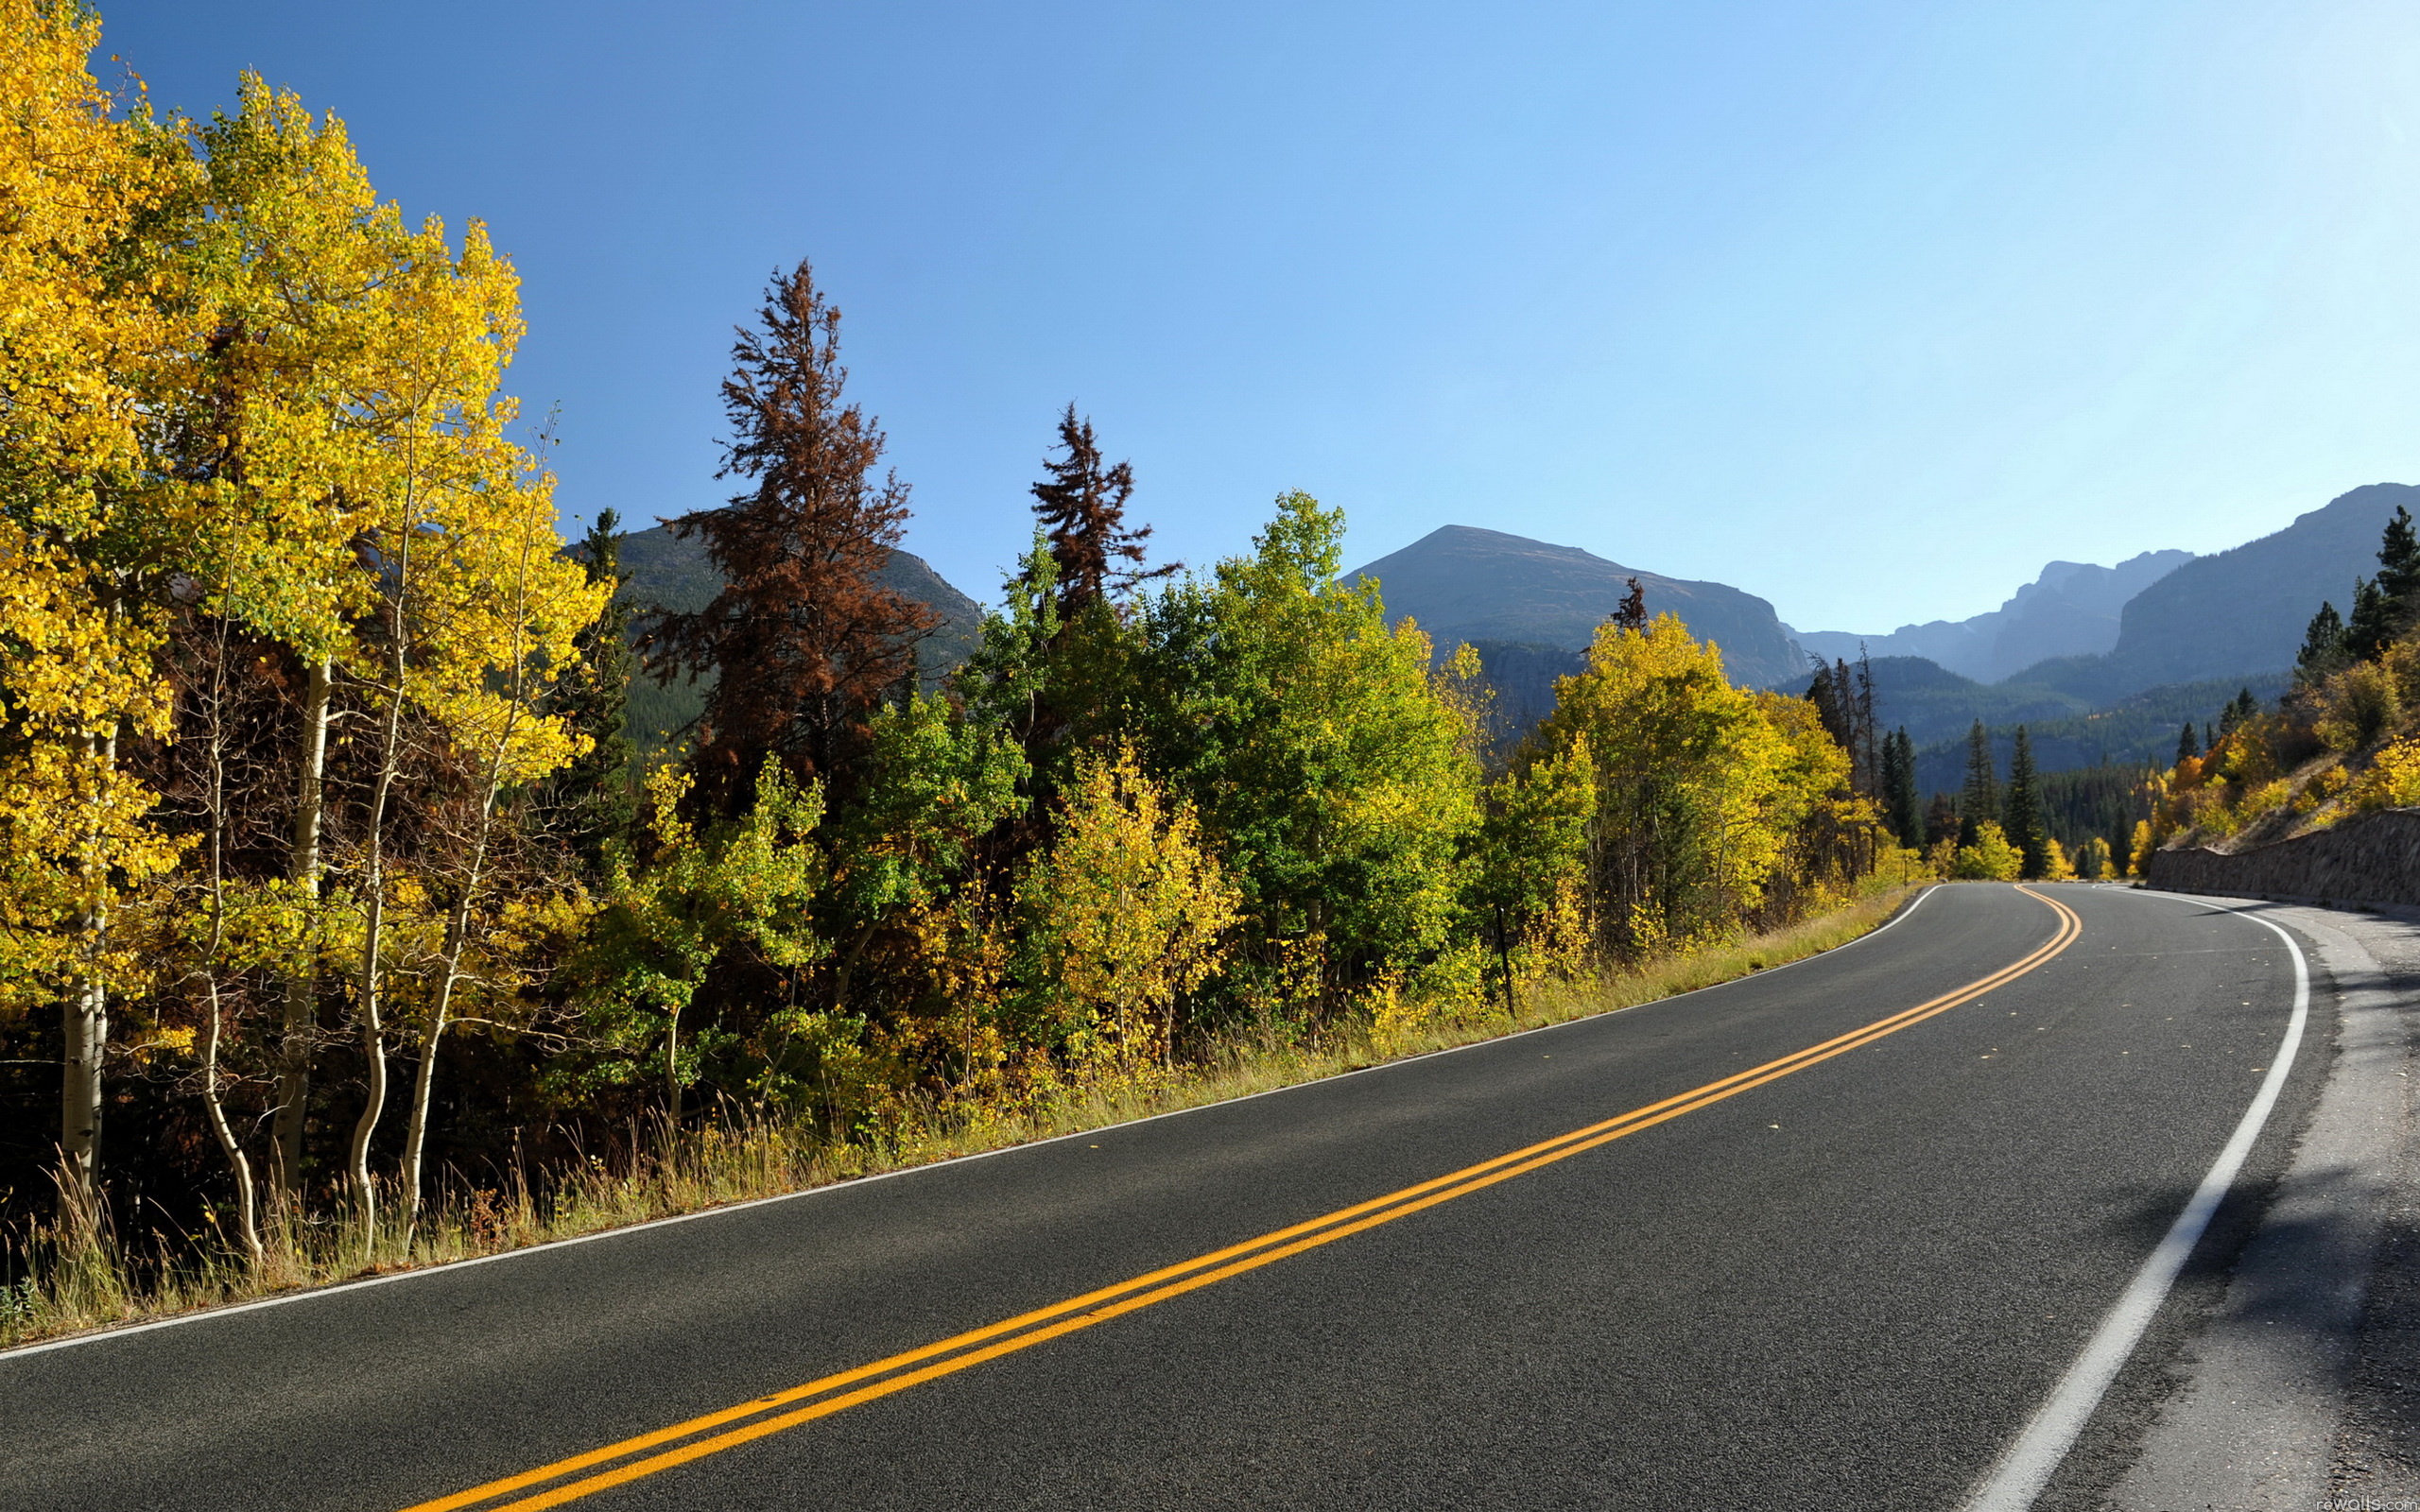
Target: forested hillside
(336,934)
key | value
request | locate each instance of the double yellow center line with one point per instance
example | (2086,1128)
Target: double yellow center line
(649,1453)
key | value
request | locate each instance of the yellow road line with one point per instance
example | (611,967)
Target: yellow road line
(885,1377)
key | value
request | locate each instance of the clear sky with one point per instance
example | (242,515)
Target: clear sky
(1870,309)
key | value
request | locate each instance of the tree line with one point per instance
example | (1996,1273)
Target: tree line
(324,878)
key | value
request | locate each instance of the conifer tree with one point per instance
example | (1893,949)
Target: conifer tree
(1083,507)
(2188,745)
(2373,623)
(1632,614)
(594,798)
(2326,650)
(1941,820)
(1902,808)
(1979,802)
(2399,571)
(2022,811)
(804,640)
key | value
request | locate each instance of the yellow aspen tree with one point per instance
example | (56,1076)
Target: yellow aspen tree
(77,669)
(264,456)
(1127,913)
(500,610)
(472,595)
(287,251)
(1693,789)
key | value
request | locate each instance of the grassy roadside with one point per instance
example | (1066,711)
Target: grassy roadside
(73,1287)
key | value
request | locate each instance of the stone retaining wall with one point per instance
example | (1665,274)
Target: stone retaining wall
(2372,858)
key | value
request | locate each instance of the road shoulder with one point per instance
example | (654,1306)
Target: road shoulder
(2264,1402)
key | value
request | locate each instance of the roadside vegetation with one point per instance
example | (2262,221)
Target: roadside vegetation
(333,894)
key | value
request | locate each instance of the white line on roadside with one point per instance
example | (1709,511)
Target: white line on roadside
(454,1266)
(2026,1466)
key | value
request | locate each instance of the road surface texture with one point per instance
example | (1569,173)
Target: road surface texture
(1847,1280)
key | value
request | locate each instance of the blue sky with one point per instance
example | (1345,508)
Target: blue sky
(1870,309)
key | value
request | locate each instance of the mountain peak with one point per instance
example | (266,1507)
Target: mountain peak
(1467,583)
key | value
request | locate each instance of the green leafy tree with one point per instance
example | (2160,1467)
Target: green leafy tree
(1340,774)
(741,888)
(1529,888)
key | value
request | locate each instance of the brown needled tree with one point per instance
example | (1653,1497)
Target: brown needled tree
(1632,614)
(803,641)
(1083,508)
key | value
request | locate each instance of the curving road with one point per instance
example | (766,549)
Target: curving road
(1822,1238)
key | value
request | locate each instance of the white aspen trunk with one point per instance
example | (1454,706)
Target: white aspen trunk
(373,1031)
(84,1025)
(239,1164)
(459,929)
(247,1205)
(299,1030)
(457,939)
(84,1033)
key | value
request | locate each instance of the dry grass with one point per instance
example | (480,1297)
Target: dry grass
(74,1286)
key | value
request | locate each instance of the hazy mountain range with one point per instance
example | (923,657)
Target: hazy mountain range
(2071,610)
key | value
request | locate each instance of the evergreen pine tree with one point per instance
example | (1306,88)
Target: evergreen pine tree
(2373,623)
(1902,808)
(804,640)
(1941,820)
(2399,571)
(2021,812)
(2326,650)
(593,797)
(2241,710)
(2188,745)
(1082,508)
(1631,613)
(1979,802)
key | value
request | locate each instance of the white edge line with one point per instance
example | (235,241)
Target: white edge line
(456,1266)
(2026,1466)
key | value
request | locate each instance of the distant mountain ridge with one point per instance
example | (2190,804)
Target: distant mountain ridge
(1462,583)
(2072,608)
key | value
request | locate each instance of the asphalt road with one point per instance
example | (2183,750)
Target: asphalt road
(1843,1288)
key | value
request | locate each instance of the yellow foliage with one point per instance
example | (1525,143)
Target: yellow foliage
(77,674)
(2057,868)
(1991,858)
(1127,911)
(2093,862)
(2393,780)
(1700,786)
(2139,852)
